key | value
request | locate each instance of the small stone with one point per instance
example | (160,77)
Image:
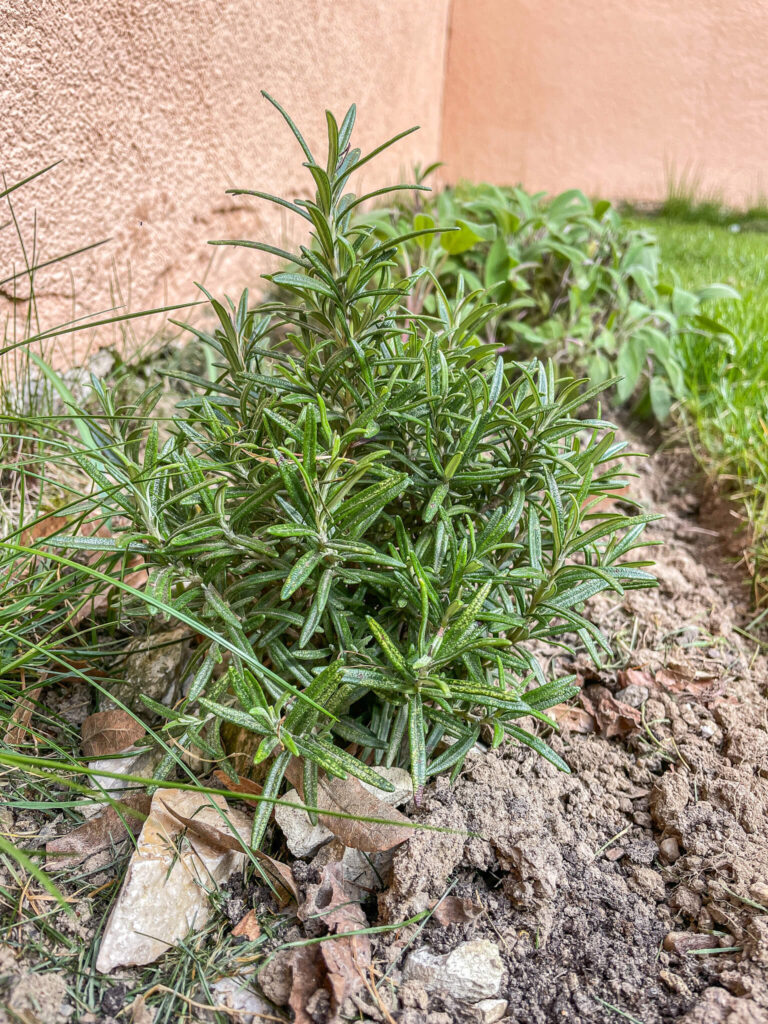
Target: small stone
(759,892)
(491,1010)
(669,850)
(471,972)
(684,942)
(153,667)
(634,695)
(165,892)
(301,837)
(248,1005)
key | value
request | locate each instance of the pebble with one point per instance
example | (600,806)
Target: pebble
(669,850)
(634,695)
(472,972)
(684,942)
(491,1010)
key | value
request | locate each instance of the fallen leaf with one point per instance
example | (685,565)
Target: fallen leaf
(248,927)
(455,910)
(166,889)
(245,786)
(636,677)
(280,876)
(306,975)
(109,732)
(331,903)
(572,719)
(350,797)
(112,825)
(613,717)
(43,528)
(706,688)
(140,1012)
(215,838)
(24,707)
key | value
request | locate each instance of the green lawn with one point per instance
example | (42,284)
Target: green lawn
(728,380)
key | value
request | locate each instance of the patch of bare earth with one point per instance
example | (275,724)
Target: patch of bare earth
(637,885)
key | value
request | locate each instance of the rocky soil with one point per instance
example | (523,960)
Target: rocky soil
(635,888)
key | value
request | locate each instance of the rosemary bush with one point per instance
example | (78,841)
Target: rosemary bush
(368,514)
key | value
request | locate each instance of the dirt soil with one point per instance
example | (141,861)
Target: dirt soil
(635,888)
(603,887)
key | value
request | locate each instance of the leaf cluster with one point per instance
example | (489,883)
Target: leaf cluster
(575,279)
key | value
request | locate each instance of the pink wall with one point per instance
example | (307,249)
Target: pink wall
(609,95)
(153,107)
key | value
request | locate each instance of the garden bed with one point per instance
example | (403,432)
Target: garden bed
(634,888)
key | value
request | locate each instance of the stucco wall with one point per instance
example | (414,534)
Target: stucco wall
(609,95)
(153,107)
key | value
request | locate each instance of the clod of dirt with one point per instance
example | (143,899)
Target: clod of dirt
(471,972)
(719,1007)
(40,998)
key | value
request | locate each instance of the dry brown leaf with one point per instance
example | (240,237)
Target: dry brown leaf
(109,732)
(613,717)
(306,974)
(707,687)
(572,719)
(350,797)
(16,731)
(217,839)
(140,1012)
(43,528)
(345,958)
(112,825)
(636,677)
(248,927)
(280,876)
(455,910)
(245,786)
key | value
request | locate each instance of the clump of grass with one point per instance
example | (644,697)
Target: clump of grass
(726,374)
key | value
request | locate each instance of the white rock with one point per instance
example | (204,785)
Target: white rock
(166,889)
(303,838)
(249,1005)
(472,972)
(142,763)
(491,1010)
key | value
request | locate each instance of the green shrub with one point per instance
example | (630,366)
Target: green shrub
(371,516)
(575,280)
